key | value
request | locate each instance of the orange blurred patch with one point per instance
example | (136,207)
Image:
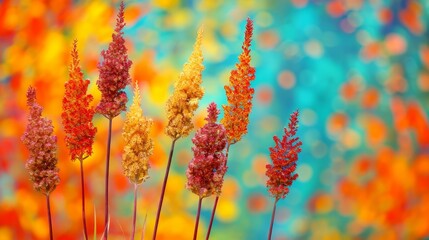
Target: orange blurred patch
(396,81)
(395,44)
(423,81)
(133,13)
(337,123)
(268,39)
(399,110)
(410,17)
(159,157)
(335,8)
(371,51)
(424,55)
(321,203)
(121,182)
(376,131)
(370,98)
(144,69)
(286,79)
(259,164)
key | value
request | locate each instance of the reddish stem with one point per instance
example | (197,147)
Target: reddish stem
(135,211)
(272,219)
(198,218)
(106,190)
(83,199)
(216,200)
(51,236)
(167,171)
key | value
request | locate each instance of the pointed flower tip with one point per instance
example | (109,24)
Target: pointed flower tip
(31,95)
(213,113)
(120,22)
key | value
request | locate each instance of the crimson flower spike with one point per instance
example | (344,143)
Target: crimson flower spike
(114,77)
(284,155)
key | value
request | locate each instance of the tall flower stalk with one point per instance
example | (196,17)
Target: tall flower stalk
(138,147)
(281,173)
(42,145)
(114,77)
(239,95)
(181,107)
(77,120)
(206,170)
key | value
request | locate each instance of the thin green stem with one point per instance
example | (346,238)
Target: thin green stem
(161,199)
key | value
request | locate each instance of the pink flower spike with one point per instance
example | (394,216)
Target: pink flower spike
(206,170)
(42,145)
(114,72)
(284,155)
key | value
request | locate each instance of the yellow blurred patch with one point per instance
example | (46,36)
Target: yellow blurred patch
(165,4)
(227,210)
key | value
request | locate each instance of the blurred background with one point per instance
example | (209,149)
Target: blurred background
(357,70)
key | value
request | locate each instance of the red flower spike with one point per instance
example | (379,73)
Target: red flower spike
(77,114)
(284,155)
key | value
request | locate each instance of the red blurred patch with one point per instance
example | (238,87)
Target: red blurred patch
(419,123)
(410,17)
(349,90)
(121,182)
(265,95)
(257,203)
(385,15)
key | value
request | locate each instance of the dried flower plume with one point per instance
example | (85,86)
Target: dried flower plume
(114,72)
(206,170)
(138,144)
(240,93)
(38,138)
(284,155)
(187,93)
(77,114)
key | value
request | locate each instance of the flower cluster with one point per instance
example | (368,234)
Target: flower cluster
(138,144)
(187,93)
(240,94)
(284,156)
(77,114)
(114,73)
(206,170)
(41,144)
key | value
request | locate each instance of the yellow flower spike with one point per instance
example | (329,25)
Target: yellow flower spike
(187,93)
(138,144)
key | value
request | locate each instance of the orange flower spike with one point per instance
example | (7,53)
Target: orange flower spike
(239,93)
